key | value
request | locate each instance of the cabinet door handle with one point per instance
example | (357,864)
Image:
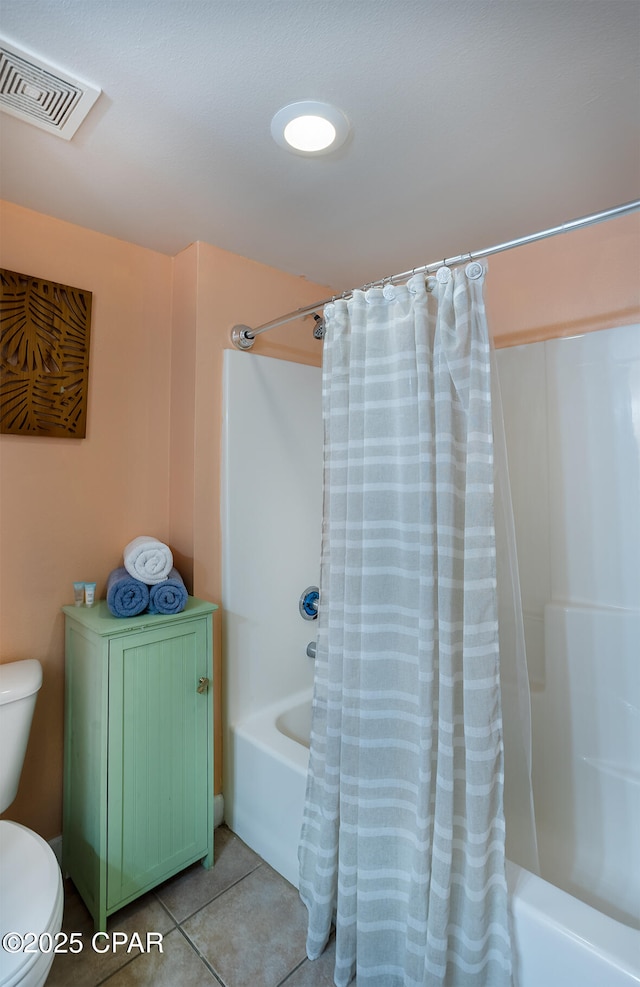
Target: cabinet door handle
(203,684)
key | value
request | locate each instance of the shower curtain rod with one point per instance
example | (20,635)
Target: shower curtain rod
(243,337)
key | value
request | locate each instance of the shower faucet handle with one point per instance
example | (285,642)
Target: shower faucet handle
(308,604)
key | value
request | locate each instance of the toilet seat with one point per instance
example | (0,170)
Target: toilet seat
(32,900)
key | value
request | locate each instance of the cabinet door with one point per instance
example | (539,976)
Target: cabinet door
(159,756)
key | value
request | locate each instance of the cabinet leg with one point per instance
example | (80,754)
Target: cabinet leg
(100,920)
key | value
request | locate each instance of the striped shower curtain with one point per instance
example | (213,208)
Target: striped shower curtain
(402,844)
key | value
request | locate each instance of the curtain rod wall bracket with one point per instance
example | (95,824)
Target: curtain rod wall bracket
(240,337)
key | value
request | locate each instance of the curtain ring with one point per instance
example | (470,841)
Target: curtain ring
(474,270)
(443,274)
(388,290)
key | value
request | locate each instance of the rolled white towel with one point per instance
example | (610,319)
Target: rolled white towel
(148,560)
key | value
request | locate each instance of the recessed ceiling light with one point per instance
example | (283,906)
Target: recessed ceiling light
(310,128)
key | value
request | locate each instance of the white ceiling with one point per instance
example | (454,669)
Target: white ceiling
(473,122)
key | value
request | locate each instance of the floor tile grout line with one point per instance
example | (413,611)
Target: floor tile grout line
(118,969)
(166,910)
(193,947)
(214,898)
(200,956)
(295,969)
(179,926)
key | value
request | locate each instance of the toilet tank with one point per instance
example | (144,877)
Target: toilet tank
(19,684)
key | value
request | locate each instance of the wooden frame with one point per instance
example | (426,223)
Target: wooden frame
(44,356)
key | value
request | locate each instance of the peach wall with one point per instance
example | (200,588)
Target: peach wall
(569,284)
(69,506)
(151,460)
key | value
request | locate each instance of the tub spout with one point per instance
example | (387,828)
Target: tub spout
(311,649)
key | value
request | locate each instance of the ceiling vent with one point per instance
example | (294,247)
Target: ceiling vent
(42,94)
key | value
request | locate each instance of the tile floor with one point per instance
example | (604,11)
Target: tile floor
(239,924)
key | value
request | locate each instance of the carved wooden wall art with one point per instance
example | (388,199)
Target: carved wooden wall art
(44,356)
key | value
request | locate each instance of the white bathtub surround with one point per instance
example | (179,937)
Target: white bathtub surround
(521,833)
(271,523)
(572,417)
(403,834)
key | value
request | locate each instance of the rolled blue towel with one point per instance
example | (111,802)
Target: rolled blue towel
(169,596)
(126,596)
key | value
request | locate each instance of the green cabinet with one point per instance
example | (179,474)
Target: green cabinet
(138,750)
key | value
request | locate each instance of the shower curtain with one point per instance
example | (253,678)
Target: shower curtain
(403,836)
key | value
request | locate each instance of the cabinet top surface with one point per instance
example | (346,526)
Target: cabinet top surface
(100,620)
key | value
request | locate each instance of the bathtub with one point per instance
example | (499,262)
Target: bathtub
(559,941)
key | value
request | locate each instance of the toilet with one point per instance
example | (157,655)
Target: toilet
(31,890)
